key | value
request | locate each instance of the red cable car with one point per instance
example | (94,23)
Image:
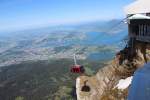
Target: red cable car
(77,68)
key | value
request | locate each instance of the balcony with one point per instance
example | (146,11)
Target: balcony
(143,38)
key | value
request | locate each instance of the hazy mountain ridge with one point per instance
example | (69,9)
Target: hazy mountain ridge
(41,45)
(37,62)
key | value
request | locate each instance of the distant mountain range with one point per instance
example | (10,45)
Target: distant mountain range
(35,64)
(50,42)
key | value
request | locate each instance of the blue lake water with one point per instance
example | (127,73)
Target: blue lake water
(99,38)
(101,56)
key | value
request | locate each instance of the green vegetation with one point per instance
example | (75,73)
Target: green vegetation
(19,98)
(41,80)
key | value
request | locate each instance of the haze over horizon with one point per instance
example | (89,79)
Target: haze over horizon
(24,14)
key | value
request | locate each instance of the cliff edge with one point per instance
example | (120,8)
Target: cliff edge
(104,85)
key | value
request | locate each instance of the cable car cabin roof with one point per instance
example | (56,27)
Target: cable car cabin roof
(140,21)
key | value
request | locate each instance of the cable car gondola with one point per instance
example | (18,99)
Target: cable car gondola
(77,68)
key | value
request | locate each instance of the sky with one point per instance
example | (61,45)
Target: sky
(24,14)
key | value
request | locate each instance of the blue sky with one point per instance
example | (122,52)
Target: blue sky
(22,14)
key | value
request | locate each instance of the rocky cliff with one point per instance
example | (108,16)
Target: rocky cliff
(102,86)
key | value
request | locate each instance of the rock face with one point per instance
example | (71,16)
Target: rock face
(104,80)
(102,85)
